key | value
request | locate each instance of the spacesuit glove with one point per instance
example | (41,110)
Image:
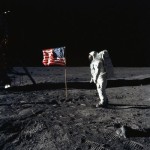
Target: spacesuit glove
(91,80)
(94,80)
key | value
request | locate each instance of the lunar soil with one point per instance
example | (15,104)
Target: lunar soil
(52,116)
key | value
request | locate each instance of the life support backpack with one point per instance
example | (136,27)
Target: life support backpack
(104,55)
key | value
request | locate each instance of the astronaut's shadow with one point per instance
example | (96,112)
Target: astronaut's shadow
(125,106)
(138,133)
(124,82)
(128,132)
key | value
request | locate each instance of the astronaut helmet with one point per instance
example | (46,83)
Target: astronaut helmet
(92,55)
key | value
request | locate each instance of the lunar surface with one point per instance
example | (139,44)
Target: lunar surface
(52,115)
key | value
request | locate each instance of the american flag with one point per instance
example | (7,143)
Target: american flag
(54,56)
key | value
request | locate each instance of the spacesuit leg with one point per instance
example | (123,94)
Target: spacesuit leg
(101,89)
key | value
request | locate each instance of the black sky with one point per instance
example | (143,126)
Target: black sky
(121,26)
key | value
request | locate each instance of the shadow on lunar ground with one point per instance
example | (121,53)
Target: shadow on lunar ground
(123,106)
(79,85)
(127,132)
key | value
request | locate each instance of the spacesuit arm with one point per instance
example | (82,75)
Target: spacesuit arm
(91,80)
(96,72)
(92,72)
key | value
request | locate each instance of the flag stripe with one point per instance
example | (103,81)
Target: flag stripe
(54,56)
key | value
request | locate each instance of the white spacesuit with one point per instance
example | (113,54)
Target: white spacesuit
(99,76)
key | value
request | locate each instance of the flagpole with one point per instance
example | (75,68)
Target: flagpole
(66,92)
(66,82)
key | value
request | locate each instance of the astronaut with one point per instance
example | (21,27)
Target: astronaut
(99,76)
